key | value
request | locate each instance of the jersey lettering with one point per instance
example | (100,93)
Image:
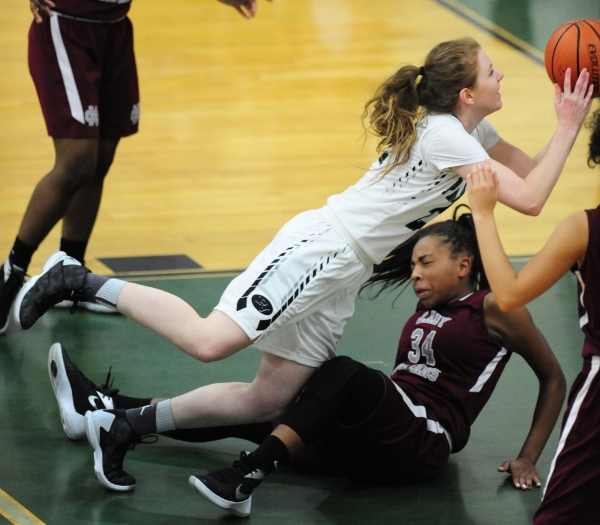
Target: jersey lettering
(434,318)
(421,370)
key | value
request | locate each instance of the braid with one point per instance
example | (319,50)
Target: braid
(458,234)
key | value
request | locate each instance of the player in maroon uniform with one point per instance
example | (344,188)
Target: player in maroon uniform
(451,354)
(571,493)
(83,66)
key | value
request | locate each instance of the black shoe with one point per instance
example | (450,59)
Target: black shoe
(64,279)
(111,436)
(231,488)
(75,393)
(11,281)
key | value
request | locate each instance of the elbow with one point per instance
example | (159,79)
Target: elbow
(507,304)
(532,207)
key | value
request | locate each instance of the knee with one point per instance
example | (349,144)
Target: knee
(71,176)
(265,407)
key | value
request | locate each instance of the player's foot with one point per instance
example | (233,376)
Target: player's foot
(11,280)
(90,307)
(75,393)
(111,436)
(230,488)
(64,279)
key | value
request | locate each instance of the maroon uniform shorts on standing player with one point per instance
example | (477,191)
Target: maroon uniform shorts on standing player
(572,492)
(85,76)
(393,444)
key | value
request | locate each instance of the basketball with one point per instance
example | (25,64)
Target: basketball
(575,44)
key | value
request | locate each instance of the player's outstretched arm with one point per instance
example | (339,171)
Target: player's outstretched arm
(247,8)
(518,334)
(528,192)
(566,246)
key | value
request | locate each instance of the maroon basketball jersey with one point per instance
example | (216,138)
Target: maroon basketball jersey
(448,362)
(109,10)
(588,287)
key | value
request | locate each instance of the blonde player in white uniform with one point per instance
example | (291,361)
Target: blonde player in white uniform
(295,298)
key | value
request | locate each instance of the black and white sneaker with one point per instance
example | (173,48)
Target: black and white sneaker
(231,488)
(64,279)
(111,436)
(68,304)
(75,393)
(11,281)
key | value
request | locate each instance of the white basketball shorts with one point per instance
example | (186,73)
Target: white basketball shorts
(298,293)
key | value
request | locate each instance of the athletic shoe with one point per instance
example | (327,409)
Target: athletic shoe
(11,280)
(231,488)
(90,307)
(111,436)
(75,393)
(64,279)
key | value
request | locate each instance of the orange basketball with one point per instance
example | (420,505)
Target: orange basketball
(575,44)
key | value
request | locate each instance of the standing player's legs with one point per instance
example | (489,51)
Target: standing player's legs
(571,493)
(80,216)
(75,168)
(86,80)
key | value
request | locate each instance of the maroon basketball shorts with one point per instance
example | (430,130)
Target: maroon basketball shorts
(85,76)
(400,442)
(571,493)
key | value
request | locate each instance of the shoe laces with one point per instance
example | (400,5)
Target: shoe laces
(78,296)
(240,468)
(106,387)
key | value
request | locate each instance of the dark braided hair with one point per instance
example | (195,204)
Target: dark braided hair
(594,151)
(458,234)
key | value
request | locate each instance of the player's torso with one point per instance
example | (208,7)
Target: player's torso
(448,362)
(381,211)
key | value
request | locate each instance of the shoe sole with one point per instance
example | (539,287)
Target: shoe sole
(90,307)
(241,509)
(17,306)
(90,430)
(5,327)
(73,423)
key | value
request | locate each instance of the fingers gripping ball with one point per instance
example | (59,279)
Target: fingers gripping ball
(575,44)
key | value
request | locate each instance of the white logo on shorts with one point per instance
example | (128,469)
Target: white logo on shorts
(135,114)
(91,116)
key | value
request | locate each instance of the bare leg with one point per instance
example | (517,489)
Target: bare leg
(288,436)
(276,385)
(74,167)
(80,216)
(207,339)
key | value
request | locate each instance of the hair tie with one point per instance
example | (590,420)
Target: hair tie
(422,71)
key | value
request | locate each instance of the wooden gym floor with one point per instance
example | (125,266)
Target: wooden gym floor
(244,124)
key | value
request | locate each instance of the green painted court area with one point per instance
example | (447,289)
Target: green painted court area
(53,478)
